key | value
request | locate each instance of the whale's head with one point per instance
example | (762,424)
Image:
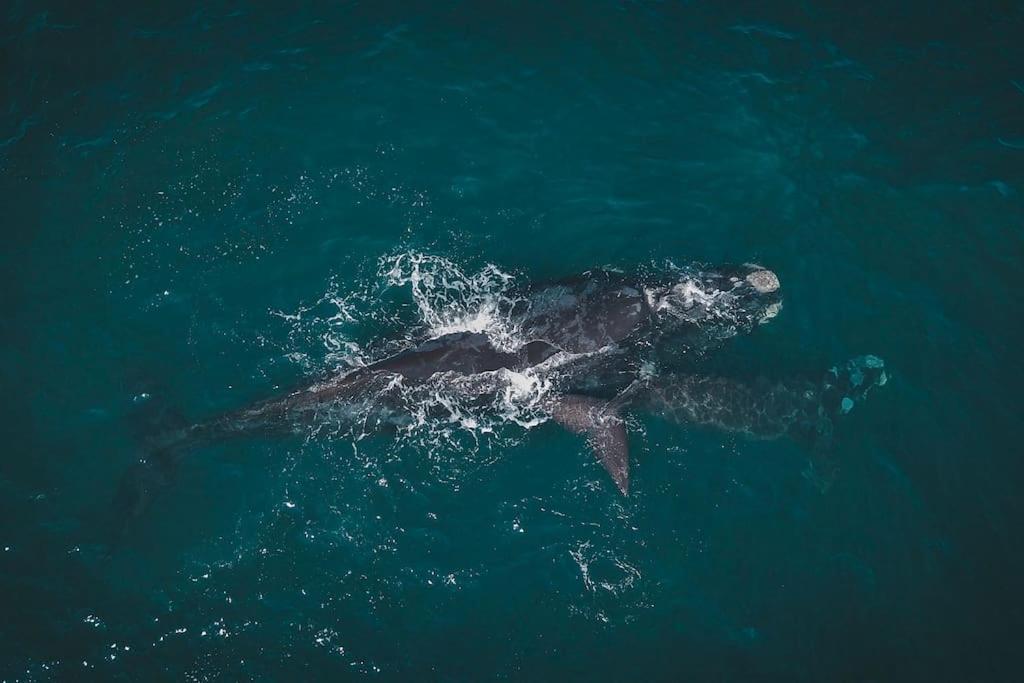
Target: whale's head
(718,302)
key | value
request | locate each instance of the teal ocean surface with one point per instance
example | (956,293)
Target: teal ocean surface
(203,204)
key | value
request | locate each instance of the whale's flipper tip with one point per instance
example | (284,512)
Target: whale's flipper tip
(605,431)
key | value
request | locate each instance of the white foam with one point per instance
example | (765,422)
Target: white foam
(450,300)
(444,417)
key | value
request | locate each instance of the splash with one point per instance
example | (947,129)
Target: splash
(446,417)
(451,301)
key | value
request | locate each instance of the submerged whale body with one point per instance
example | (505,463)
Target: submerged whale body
(573,336)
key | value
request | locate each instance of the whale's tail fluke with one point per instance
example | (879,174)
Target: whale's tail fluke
(155,426)
(141,483)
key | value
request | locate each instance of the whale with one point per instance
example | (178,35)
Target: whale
(581,337)
(800,409)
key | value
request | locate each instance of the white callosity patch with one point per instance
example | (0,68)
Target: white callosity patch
(764,281)
(856,379)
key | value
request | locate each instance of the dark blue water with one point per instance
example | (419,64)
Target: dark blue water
(201,203)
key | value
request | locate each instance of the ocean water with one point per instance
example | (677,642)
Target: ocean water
(205,203)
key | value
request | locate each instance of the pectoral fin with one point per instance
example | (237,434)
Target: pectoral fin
(604,429)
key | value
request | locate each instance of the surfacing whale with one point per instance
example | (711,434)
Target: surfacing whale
(573,336)
(798,409)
